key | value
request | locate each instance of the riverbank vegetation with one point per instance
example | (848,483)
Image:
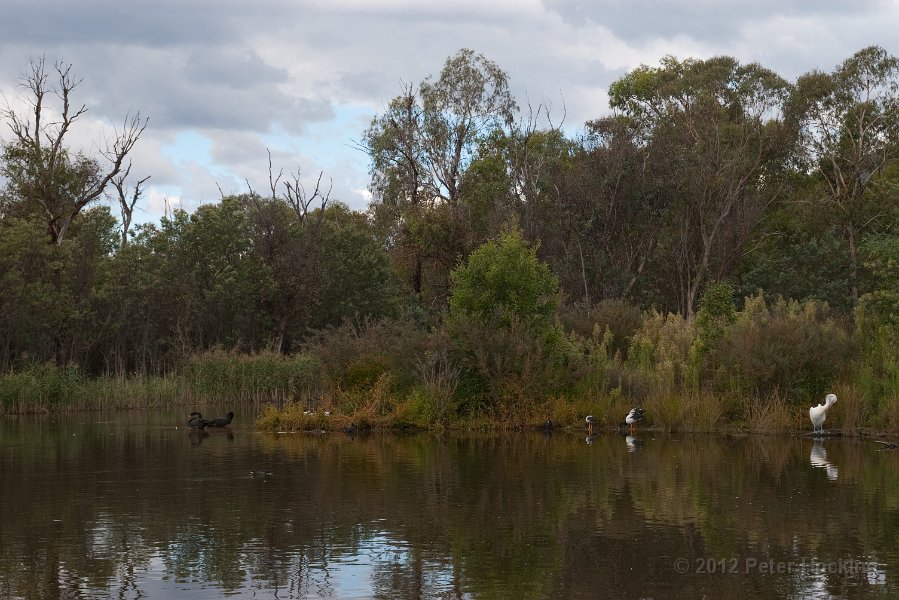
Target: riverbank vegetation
(722,248)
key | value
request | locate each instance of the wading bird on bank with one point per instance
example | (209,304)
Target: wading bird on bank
(590,421)
(817,414)
(633,417)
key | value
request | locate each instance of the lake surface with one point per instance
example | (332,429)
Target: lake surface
(132,505)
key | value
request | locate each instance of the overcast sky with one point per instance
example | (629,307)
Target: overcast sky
(224,80)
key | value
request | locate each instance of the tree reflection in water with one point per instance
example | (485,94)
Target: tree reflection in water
(125,509)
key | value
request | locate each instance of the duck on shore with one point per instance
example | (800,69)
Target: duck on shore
(633,417)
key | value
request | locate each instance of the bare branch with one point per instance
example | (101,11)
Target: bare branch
(300,201)
(127,199)
(273,182)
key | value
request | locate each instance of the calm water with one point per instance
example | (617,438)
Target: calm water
(130,505)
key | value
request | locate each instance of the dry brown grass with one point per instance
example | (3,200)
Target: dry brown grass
(768,415)
(851,410)
(703,411)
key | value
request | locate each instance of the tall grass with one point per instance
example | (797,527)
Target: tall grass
(239,378)
(39,388)
(215,377)
(48,388)
(770,414)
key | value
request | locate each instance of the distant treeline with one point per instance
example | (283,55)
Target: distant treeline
(722,246)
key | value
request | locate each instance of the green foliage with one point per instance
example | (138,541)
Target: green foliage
(716,312)
(357,282)
(719,140)
(877,322)
(619,318)
(801,263)
(355,355)
(512,367)
(487,193)
(31,302)
(880,306)
(503,281)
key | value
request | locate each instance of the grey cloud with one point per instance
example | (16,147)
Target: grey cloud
(238,71)
(153,24)
(230,66)
(641,20)
(221,88)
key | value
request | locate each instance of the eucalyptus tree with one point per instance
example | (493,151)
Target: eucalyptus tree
(850,132)
(55,181)
(470,99)
(357,282)
(515,178)
(150,297)
(608,214)
(718,132)
(422,145)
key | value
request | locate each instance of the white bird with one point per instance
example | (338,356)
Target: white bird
(818,413)
(591,421)
(635,415)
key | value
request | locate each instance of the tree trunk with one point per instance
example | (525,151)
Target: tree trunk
(853,263)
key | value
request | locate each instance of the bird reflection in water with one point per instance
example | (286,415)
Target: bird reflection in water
(818,458)
(197,436)
(633,443)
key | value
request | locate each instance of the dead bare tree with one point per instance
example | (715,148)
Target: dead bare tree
(40,169)
(127,200)
(295,194)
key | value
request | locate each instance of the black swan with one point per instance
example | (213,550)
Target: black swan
(196,421)
(220,421)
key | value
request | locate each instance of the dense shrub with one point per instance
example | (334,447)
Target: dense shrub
(517,368)
(356,354)
(795,349)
